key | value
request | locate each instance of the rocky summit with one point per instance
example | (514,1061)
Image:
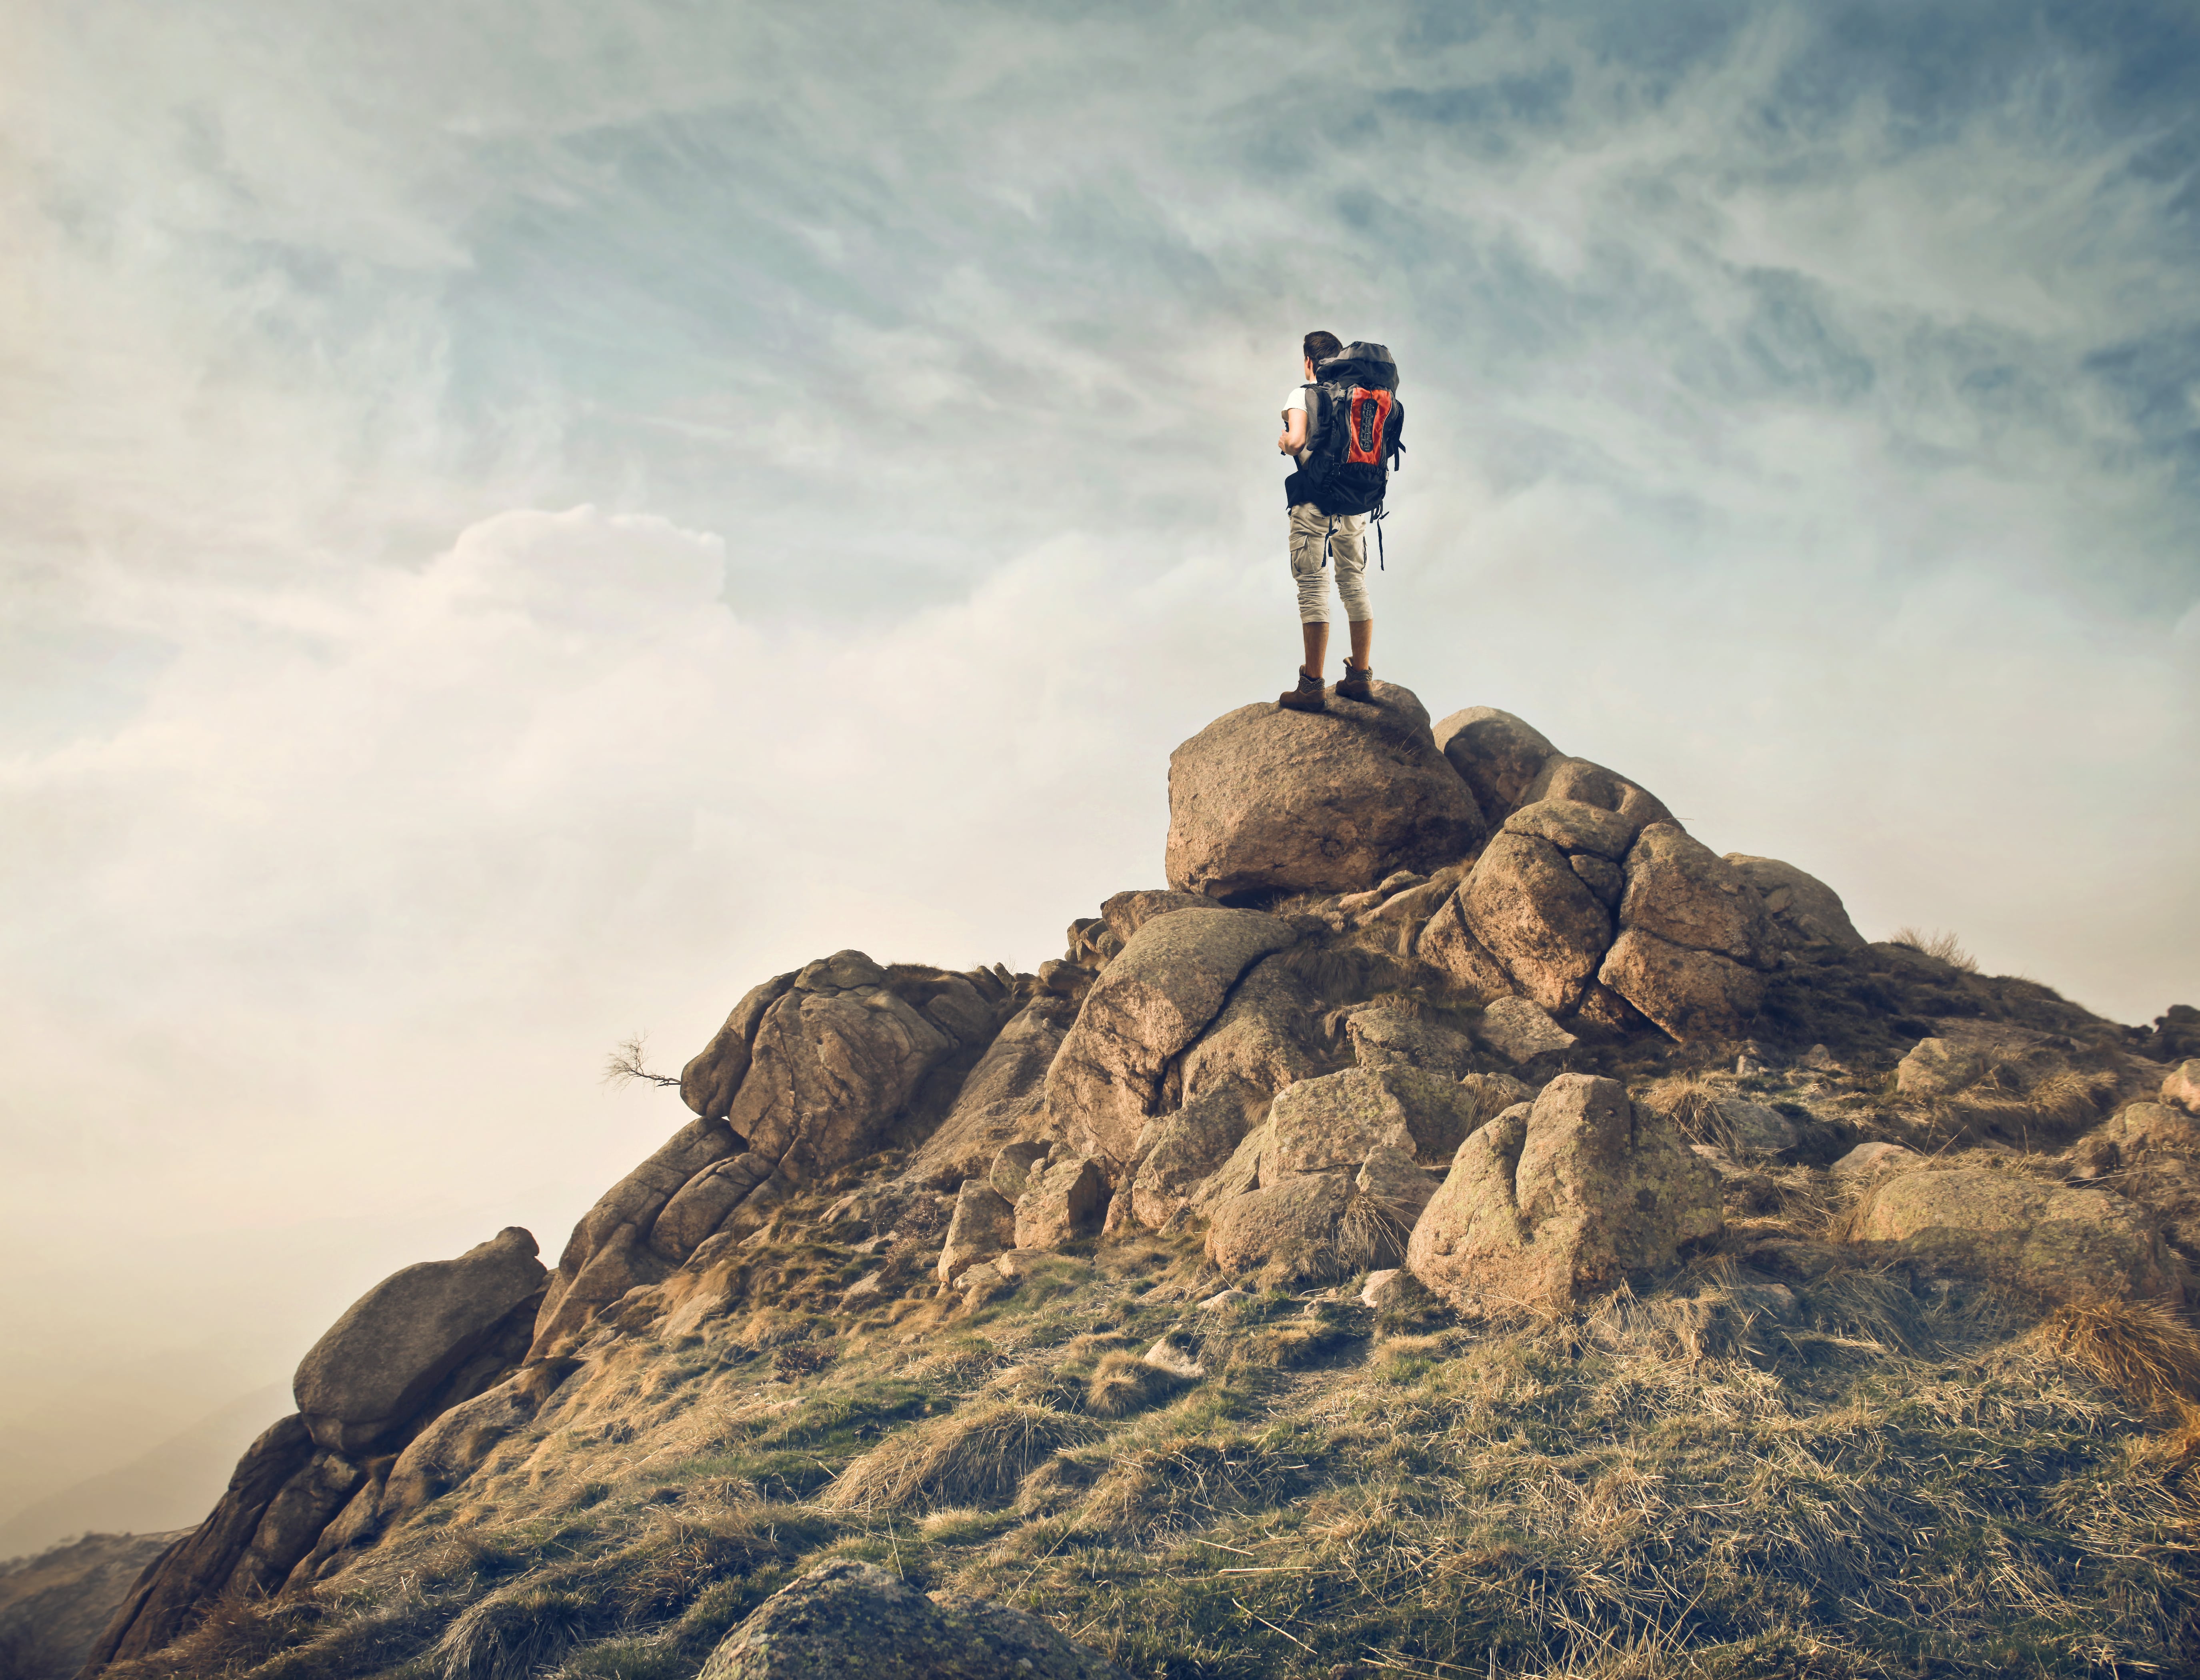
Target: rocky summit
(1461,1223)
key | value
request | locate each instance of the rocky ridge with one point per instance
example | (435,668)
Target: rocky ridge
(1439,1006)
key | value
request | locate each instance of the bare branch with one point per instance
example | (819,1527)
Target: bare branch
(629,1062)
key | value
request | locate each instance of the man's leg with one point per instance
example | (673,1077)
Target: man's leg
(1309,530)
(1316,637)
(1349,548)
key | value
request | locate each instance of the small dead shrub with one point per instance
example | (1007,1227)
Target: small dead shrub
(802,1359)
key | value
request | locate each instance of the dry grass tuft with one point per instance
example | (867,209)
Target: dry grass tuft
(1689,1102)
(2011,1103)
(1369,1236)
(974,1457)
(1122,1382)
(2140,1349)
(1939,947)
(511,1636)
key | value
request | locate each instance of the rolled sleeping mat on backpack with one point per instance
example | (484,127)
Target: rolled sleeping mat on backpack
(1367,366)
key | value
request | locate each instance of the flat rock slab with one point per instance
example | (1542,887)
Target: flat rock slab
(843,1620)
(1519,1029)
(1266,800)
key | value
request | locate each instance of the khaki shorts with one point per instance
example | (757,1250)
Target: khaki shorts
(1345,536)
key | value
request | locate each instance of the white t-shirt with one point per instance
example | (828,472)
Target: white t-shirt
(1297,400)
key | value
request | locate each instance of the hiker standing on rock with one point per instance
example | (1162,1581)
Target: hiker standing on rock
(1341,429)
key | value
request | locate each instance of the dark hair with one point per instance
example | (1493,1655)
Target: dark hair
(1319,347)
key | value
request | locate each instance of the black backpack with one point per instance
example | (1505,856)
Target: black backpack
(1355,420)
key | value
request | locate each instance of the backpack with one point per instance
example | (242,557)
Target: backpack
(1356,422)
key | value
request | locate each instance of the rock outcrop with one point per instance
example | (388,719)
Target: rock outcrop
(844,1619)
(1591,900)
(1385,1076)
(1553,1201)
(813,1069)
(1264,801)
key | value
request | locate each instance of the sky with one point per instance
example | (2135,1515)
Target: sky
(517,522)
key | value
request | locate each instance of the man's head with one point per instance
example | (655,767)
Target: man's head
(1319,347)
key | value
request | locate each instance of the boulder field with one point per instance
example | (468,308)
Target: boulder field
(1440,1005)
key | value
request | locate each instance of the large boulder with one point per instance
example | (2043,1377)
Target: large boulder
(1292,1224)
(1262,1041)
(293,1521)
(1694,995)
(1579,780)
(1063,1203)
(1336,1120)
(1125,913)
(2181,1086)
(708,1082)
(449,1450)
(1146,1008)
(1387,1038)
(832,1064)
(1449,945)
(1496,754)
(984,1224)
(1695,939)
(1681,890)
(1551,1202)
(1529,909)
(1267,801)
(1520,1030)
(1181,1150)
(1809,914)
(844,1619)
(813,1070)
(2060,1241)
(366,1377)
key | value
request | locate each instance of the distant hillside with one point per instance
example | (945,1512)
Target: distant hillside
(168,1486)
(52,1605)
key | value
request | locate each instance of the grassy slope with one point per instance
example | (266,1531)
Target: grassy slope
(1909,1476)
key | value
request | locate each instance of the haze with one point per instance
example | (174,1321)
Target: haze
(521,522)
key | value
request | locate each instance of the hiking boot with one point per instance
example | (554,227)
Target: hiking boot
(1353,685)
(1307,697)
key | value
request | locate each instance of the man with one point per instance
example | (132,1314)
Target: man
(1315,534)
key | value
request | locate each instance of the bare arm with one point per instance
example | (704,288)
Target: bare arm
(1294,432)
